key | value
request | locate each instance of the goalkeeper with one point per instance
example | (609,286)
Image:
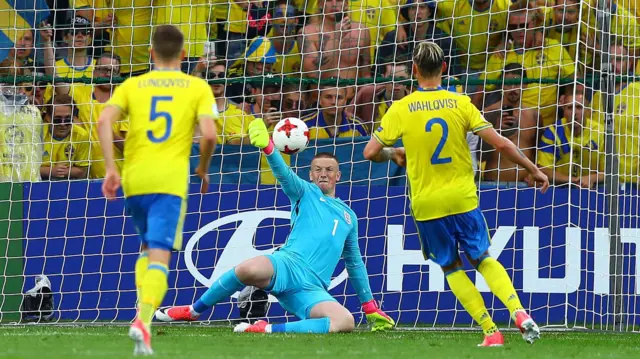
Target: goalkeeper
(433,124)
(322,229)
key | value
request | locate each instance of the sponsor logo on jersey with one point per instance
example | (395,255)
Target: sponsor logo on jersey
(540,58)
(621,108)
(69,151)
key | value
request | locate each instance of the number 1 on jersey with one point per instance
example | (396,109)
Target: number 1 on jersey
(435,158)
(335,227)
(155,114)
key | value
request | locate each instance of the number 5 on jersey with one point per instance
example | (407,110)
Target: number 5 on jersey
(160,115)
(435,158)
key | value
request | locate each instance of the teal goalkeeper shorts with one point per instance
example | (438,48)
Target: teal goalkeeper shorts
(158,218)
(297,289)
(441,237)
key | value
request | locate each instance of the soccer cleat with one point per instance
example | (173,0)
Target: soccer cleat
(139,333)
(494,340)
(258,327)
(528,328)
(173,314)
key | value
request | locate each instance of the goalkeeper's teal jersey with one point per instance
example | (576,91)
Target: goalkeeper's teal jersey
(323,229)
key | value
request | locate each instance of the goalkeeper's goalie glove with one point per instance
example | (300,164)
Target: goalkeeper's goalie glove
(378,319)
(259,136)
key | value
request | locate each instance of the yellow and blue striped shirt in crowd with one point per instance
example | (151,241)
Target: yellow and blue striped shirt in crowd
(349,127)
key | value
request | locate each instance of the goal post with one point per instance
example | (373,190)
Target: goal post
(571,252)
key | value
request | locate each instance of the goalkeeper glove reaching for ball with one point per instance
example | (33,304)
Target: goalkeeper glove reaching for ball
(378,319)
(259,136)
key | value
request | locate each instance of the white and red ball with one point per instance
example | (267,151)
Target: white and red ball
(291,135)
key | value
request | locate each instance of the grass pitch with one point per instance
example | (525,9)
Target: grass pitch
(194,341)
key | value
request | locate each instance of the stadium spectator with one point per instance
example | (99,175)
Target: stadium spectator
(131,34)
(91,99)
(379,16)
(478,27)
(284,39)
(419,26)
(100,14)
(624,24)
(565,26)
(626,113)
(21,53)
(331,121)
(246,20)
(373,101)
(65,145)
(232,122)
(294,102)
(248,72)
(336,47)
(519,125)
(20,136)
(573,140)
(191,17)
(77,62)
(541,57)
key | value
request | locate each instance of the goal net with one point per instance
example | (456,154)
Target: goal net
(555,77)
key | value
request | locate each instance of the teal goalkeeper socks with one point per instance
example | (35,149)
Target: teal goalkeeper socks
(316,326)
(222,288)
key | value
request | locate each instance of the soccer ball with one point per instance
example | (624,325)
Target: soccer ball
(291,135)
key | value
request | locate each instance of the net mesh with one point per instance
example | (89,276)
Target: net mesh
(555,77)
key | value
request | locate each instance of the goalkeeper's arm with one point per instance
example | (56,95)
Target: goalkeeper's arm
(360,280)
(292,185)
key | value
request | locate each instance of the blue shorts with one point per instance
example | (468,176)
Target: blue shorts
(158,218)
(297,289)
(440,237)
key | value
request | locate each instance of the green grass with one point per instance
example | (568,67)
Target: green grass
(193,342)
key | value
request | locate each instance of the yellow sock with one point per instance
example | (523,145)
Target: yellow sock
(154,287)
(141,270)
(498,280)
(471,300)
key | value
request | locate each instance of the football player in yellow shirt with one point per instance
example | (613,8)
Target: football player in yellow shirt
(65,145)
(164,107)
(331,120)
(573,140)
(433,124)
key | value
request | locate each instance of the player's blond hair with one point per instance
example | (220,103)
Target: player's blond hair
(428,57)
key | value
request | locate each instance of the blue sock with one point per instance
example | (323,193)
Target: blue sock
(316,326)
(225,286)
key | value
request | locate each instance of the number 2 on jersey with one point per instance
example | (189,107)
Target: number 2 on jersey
(155,114)
(435,158)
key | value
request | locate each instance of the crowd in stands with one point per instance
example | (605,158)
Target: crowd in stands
(532,66)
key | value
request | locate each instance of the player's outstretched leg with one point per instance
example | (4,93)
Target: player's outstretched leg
(152,290)
(472,301)
(498,280)
(255,271)
(326,317)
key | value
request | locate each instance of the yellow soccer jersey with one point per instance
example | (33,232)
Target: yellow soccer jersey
(551,62)
(164,108)
(474,32)
(584,151)
(626,110)
(132,33)
(89,111)
(380,16)
(233,123)
(309,7)
(72,150)
(624,25)
(433,126)
(190,16)
(289,62)
(318,129)
(65,69)
(237,22)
